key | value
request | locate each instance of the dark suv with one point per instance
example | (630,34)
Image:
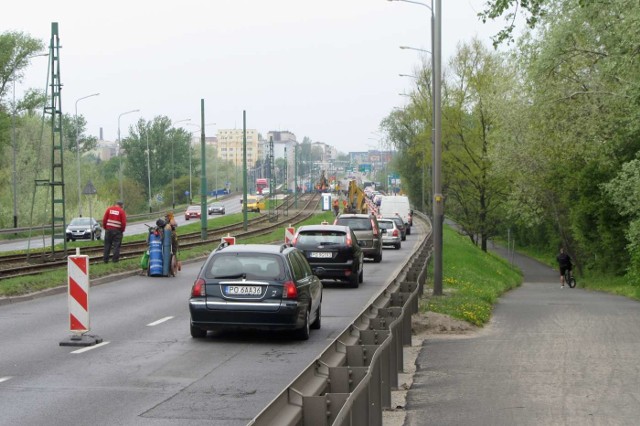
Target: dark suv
(332,251)
(256,286)
(367,231)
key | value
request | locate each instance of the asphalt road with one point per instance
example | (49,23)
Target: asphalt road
(550,356)
(148,370)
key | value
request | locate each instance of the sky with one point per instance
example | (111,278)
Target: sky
(327,70)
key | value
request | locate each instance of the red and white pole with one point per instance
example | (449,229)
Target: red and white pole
(78,293)
(78,300)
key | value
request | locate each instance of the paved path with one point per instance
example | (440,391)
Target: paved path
(550,356)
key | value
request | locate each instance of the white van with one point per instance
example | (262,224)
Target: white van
(390,205)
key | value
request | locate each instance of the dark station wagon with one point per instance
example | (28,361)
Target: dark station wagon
(332,251)
(256,286)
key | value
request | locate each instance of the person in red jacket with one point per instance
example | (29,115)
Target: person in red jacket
(114,222)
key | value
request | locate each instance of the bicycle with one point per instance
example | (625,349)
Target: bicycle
(569,278)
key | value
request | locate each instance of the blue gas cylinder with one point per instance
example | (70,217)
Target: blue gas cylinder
(155,254)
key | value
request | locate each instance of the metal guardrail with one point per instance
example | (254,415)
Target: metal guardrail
(350,383)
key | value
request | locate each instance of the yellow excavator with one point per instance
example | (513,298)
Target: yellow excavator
(356,199)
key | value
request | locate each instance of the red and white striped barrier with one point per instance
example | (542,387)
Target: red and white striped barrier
(78,300)
(289,234)
(78,293)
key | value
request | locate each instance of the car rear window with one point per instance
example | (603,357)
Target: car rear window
(356,223)
(317,237)
(253,266)
(385,224)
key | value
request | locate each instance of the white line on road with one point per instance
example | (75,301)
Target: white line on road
(88,348)
(4,379)
(160,321)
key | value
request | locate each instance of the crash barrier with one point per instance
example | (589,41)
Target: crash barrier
(350,383)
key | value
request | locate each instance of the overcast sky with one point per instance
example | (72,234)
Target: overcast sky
(323,69)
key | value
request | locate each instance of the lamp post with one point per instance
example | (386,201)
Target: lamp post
(438,199)
(173,169)
(199,129)
(14,146)
(78,152)
(149,169)
(120,153)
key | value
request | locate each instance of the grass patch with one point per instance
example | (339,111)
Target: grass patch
(472,280)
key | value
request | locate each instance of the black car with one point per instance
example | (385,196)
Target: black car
(399,223)
(83,228)
(256,286)
(332,251)
(216,208)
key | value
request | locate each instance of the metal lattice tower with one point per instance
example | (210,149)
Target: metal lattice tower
(273,211)
(56,180)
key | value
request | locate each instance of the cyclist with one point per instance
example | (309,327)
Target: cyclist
(564,262)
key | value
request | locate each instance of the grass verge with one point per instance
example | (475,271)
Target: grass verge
(472,280)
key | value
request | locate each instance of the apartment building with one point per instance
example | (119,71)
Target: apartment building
(229,143)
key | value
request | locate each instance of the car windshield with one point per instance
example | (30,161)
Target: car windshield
(216,206)
(194,208)
(321,237)
(356,223)
(252,266)
(80,221)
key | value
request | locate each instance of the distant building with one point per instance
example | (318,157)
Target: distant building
(230,147)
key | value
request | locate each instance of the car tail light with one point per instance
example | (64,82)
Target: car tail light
(349,241)
(198,289)
(395,232)
(375,228)
(289,290)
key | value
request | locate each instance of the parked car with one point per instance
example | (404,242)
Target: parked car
(399,223)
(256,286)
(216,208)
(367,231)
(390,233)
(83,228)
(192,212)
(332,251)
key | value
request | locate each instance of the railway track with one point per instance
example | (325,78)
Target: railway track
(19,265)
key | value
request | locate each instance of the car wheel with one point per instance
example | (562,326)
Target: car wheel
(318,322)
(408,231)
(197,332)
(404,238)
(99,236)
(361,276)
(303,333)
(398,246)
(378,257)
(354,280)
(186,218)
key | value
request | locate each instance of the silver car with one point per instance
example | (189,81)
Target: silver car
(391,235)
(83,228)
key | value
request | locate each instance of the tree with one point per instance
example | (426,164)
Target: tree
(16,48)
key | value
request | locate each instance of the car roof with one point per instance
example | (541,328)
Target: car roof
(341,228)
(253,248)
(349,215)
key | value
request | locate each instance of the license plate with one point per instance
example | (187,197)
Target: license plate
(243,290)
(322,254)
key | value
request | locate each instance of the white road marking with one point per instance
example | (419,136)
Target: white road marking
(4,379)
(88,348)
(160,321)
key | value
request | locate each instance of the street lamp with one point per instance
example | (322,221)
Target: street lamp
(78,152)
(14,146)
(120,153)
(173,168)
(415,48)
(199,129)
(149,169)
(438,199)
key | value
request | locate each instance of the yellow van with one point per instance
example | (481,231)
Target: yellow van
(255,203)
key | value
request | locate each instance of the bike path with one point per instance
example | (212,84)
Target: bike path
(549,356)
